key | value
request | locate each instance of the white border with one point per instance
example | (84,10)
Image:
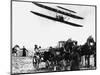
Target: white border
(5,36)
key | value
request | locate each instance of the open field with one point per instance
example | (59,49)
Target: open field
(22,65)
(25,65)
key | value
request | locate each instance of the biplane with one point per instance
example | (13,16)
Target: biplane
(58,18)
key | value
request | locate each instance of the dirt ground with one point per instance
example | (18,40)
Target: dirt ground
(22,65)
(25,65)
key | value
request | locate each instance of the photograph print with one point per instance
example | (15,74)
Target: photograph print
(52,37)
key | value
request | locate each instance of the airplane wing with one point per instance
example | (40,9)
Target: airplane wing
(59,11)
(52,18)
(66,9)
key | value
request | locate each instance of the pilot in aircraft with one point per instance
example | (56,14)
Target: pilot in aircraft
(60,17)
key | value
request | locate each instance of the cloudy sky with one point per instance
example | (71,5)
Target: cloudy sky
(29,29)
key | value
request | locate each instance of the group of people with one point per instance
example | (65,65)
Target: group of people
(58,59)
(67,57)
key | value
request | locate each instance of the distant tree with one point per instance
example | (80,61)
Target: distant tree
(14,49)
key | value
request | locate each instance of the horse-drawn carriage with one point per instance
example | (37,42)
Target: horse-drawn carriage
(54,59)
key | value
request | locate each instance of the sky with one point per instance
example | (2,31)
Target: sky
(29,29)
